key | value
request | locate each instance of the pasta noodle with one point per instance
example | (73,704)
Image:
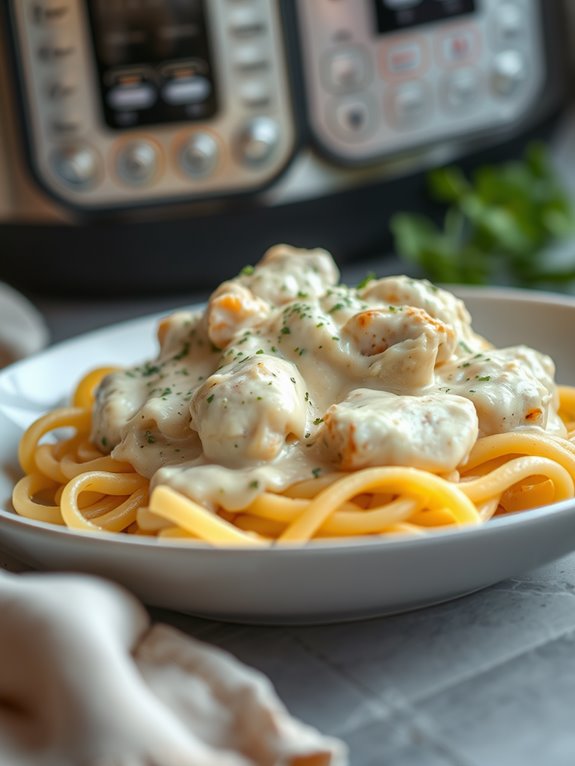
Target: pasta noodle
(360,488)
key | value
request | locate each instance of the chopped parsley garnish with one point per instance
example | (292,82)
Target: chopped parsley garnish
(247,271)
(483,378)
(318,421)
(285,330)
(316,472)
(210,398)
(150,438)
(254,484)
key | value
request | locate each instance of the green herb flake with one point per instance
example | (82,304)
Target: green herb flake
(318,421)
(285,330)
(254,484)
(210,398)
(316,472)
(369,277)
(247,271)
(150,369)
(183,352)
(483,378)
(150,438)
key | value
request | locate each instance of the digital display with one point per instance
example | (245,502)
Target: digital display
(154,61)
(393,15)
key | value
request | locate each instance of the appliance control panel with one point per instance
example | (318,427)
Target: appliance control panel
(384,77)
(147,101)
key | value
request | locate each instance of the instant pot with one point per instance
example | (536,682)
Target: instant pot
(152,145)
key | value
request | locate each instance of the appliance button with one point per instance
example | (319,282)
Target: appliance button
(141,95)
(258,141)
(508,73)
(78,165)
(509,24)
(408,105)
(199,155)
(47,12)
(345,70)
(404,59)
(352,118)
(459,47)
(138,162)
(246,22)
(250,57)
(461,90)
(255,93)
(186,90)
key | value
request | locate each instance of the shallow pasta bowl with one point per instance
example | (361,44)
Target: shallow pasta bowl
(322,582)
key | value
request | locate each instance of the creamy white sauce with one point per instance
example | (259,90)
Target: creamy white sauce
(287,375)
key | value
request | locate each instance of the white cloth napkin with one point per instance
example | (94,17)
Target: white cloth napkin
(85,680)
(22,329)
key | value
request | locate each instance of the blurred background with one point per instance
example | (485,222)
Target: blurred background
(151,148)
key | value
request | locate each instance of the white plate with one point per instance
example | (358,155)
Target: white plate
(319,583)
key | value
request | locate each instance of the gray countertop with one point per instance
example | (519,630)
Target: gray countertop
(485,680)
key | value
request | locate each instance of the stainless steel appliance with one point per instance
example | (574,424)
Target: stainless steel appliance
(152,144)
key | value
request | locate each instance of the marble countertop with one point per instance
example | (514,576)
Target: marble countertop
(485,680)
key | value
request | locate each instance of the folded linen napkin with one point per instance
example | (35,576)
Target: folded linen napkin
(85,680)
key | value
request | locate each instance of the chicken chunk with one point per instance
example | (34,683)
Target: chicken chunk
(375,428)
(247,411)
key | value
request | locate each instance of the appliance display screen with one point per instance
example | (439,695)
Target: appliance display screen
(154,61)
(393,15)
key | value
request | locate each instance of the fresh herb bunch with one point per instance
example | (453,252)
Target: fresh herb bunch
(500,226)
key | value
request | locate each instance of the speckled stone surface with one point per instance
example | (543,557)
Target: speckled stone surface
(485,680)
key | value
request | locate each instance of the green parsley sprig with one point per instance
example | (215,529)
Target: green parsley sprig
(500,226)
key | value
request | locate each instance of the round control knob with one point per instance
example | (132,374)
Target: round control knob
(77,165)
(258,141)
(199,155)
(138,162)
(508,73)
